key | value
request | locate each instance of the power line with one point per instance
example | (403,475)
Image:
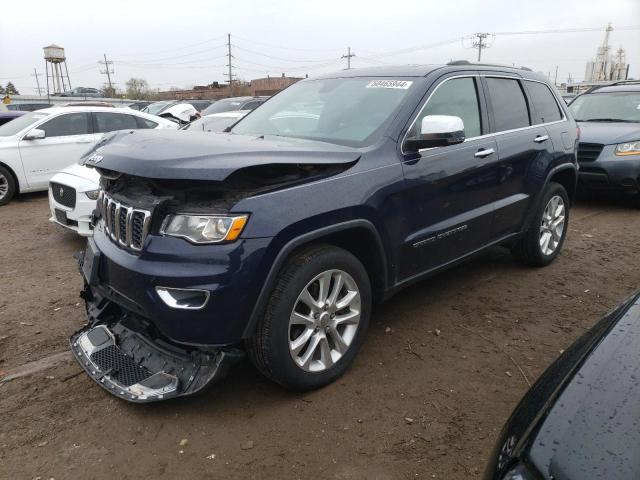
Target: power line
(173,57)
(220,37)
(36,74)
(281,47)
(348,56)
(108,69)
(278,58)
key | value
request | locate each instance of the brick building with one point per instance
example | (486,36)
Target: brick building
(271,85)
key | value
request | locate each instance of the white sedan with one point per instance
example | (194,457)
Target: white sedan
(35,146)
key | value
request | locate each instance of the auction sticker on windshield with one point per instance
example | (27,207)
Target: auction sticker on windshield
(399,84)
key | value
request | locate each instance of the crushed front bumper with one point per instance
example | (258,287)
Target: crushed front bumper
(126,356)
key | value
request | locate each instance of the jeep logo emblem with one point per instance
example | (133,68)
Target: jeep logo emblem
(95,158)
(61,191)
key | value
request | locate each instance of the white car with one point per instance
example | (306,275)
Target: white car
(72,198)
(37,145)
(216,122)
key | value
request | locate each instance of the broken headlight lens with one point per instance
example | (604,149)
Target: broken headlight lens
(629,148)
(205,228)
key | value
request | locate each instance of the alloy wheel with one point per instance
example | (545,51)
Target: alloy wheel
(552,225)
(324,320)
(4,186)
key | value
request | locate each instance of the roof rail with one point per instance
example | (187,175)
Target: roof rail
(623,82)
(467,62)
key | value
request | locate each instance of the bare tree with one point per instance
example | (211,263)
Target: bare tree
(137,89)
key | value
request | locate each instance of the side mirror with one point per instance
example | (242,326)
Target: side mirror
(34,134)
(438,131)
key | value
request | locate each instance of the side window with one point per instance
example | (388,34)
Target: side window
(457,97)
(510,109)
(108,122)
(544,103)
(69,124)
(251,105)
(144,123)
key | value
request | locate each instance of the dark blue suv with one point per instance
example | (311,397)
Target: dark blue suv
(277,238)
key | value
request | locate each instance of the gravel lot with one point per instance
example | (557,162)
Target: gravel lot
(435,381)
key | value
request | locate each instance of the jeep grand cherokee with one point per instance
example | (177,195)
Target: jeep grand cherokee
(277,238)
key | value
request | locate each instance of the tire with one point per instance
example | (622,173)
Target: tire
(7,186)
(530,249)
(273,350)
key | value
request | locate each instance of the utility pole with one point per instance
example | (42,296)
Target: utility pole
(36,74)
(108,69)
(555,79)
(230,65)
(480,42)
(348,57)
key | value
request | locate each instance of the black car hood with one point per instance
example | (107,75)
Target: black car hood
(593,429)
(608,133)
(184,155)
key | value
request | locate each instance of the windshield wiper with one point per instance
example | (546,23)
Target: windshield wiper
(605,120)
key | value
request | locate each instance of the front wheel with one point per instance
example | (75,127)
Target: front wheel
(7,186)
(542,243)
(315,321)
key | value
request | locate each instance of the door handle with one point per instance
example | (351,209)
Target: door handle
(485,152)
(541,138)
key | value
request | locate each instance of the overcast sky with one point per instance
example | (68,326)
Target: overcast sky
(182,43)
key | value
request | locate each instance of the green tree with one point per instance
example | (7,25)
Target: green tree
(137,89)
(2,90)
(11,90)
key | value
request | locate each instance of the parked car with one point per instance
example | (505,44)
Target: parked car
(74,190)
(235,103)
(137,105)
(277,238)
(609,150)
(81,92)
(38,144)
(28,107)
(216,122)
(157,108)
(88,104)
(10,115)
(576,422)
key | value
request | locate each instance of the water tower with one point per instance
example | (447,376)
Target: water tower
(54,55)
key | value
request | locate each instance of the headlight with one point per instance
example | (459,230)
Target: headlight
(205,228)
(92,194)
(629,148)
(519,472)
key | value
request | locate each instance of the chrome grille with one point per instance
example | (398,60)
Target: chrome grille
(126,225)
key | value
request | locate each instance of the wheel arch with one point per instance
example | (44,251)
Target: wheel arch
(359,237)
(567,176)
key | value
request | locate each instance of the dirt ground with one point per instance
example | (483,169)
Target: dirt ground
(431,388)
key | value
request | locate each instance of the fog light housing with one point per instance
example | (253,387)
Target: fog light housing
(183,298)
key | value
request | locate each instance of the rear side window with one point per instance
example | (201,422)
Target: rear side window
(108,122)
(457,97)
(145,123)
(69,124)
(509,104)
(544,103)
(251,105)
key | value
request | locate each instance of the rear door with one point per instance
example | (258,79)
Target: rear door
(525,150)
(67,138)
(449,190)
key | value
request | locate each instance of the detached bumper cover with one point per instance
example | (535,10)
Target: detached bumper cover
(121,354)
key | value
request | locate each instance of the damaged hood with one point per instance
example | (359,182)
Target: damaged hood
(184,155)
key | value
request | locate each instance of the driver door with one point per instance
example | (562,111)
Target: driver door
(67,138)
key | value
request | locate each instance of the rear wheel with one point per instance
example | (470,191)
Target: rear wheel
(315,321)
(544,240)
(7,186)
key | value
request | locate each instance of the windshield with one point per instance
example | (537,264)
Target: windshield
(157,107)
(18,124)
(607,107)
(345,111)
(226,105)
